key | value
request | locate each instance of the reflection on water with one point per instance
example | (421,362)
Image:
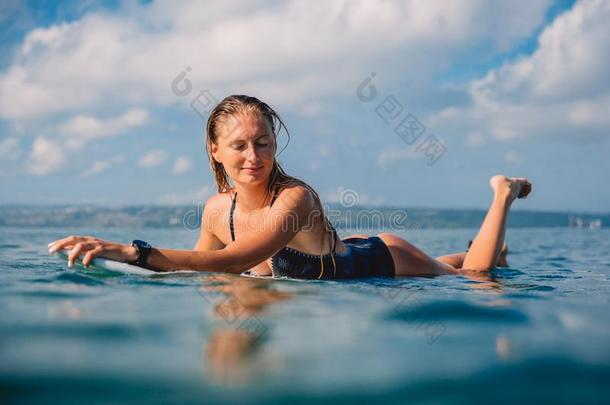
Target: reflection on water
(233,351)
(484,281)
(64,309)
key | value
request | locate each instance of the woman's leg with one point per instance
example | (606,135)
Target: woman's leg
(411,261)
(457,259)
(454,259)
(485,250)
(482,255)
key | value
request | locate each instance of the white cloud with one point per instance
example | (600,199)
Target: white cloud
(46,156)
(392,154)
(96,167)
(475,138)
(130,58)
(311,110)
(563,88)
(585,113)
(571,61)
(512,158)
(99,166)
(182,165)
(189,197)
(152,159)
(83,128)
(349,197)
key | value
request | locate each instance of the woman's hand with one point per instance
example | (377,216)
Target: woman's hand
(92,247)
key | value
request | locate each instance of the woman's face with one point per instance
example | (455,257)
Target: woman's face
(245,145)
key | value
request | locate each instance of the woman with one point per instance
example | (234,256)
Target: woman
(276,223)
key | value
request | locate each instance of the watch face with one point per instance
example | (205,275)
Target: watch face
(141,244)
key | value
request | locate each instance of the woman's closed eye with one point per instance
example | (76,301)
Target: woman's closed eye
(260,144)
(263,141)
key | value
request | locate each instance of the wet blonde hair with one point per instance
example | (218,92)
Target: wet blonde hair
(278,179)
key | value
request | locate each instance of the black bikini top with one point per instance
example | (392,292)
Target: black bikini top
(302,256)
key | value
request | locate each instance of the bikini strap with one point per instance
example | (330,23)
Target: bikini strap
(335,237)
(231,217)
(233,209)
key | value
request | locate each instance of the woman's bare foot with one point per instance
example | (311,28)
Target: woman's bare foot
(510,187)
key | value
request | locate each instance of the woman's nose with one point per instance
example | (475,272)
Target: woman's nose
(251,152)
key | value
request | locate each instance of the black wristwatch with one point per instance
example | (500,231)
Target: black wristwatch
(143,249)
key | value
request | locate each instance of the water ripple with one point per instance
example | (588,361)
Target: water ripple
(456,311)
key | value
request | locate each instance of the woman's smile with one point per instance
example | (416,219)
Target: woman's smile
(252,169)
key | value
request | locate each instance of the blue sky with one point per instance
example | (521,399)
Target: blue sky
(88,114)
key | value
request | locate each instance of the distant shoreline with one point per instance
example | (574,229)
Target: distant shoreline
(361,217)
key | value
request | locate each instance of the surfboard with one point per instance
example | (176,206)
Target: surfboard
(103,264)
(249,273)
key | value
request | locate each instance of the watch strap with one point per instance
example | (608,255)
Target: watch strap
(143,249)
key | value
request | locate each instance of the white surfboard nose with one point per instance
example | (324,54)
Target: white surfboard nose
(100,263)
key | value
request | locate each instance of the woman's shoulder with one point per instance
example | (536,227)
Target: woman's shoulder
(218,201)
(296,194)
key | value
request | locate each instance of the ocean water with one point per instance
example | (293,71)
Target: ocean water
(538,331)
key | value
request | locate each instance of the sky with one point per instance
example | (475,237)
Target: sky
(388,103)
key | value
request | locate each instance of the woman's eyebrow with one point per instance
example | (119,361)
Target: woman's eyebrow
(244,139)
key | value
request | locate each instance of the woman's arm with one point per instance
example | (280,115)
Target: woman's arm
(283,221)
(207,238)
